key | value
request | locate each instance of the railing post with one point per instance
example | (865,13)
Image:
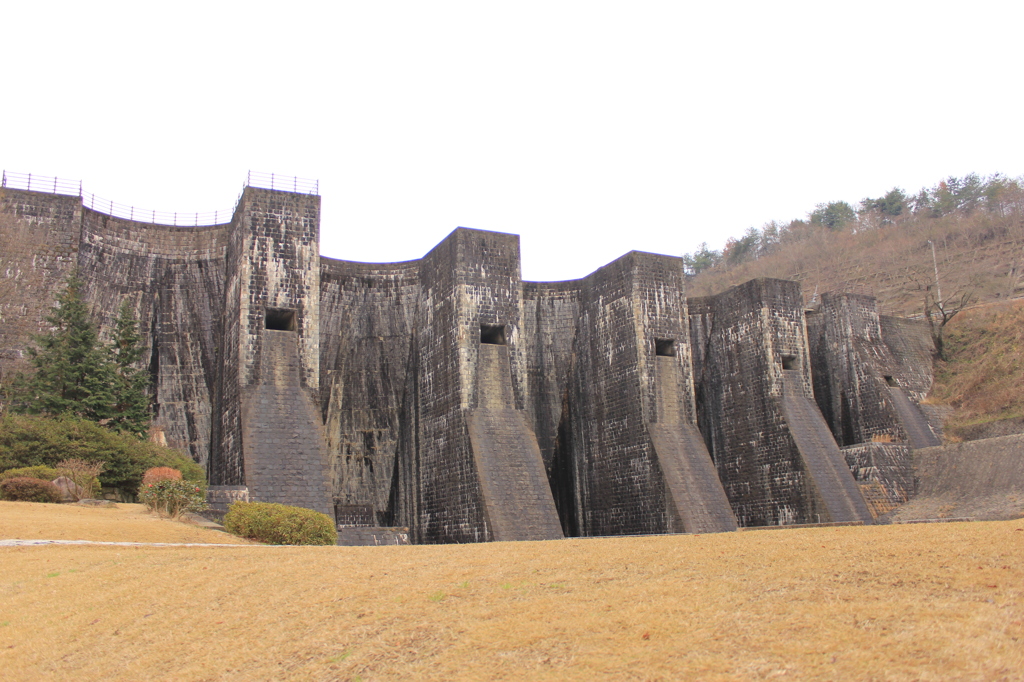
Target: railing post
(29,182)
(55,185)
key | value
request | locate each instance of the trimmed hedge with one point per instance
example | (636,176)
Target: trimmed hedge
(44,472)
(279,524)
(26,489)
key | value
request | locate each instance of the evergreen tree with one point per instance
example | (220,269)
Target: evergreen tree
(833,215)
(72,369)
(130,384)
(75,374)
(892,204)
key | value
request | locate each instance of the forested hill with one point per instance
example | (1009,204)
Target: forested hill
(884,247)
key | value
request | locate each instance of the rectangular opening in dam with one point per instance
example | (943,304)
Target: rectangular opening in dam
(891,382)
(666,347)
(492,333)
(280,319)
(789,362)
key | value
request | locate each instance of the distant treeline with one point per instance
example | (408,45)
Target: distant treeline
(995,194)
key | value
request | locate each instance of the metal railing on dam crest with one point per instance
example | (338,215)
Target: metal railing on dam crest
(54,185)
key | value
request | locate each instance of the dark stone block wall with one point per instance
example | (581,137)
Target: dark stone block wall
(399,356)
(551,312)
(774,454)
(448,396)
(444,500)
(856,372)
(172,276)
(513,482)
(271,436)
(912,351)
(174,279)
(865,392)
(471,288)
(607,473)
(201,295)
(884,472)
(604,455)
(741,336)
(282,432)
(40,235)
(367,322)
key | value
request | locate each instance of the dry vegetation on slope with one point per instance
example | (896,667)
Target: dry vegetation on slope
(983,375)
(918,602)
(981,251)
(979,254)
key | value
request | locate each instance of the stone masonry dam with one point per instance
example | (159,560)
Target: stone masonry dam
(449,396)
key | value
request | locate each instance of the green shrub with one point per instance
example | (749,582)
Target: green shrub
(27,440)
(44,472)
(171,497)
(29,490)
(279,524)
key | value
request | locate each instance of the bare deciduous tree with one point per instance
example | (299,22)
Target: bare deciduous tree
(940,312)
(82,474)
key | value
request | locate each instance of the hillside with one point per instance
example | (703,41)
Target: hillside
(982,377)
(979,258)
(979,249)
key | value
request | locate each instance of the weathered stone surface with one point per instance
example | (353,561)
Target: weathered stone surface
(775,457)
(982,479)
(69,490)
(868,392)
(514,485)
(864,390)
(824,464)
(448,396)
(621,451)
(220,497)
(372,537)
(884,472)
(282,433)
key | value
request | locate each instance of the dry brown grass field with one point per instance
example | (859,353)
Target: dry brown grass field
(910,602)
(123,523)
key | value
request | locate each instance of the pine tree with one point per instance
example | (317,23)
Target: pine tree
(72,369)
(75,374)
(130,384)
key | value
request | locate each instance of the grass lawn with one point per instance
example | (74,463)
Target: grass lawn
(912,602)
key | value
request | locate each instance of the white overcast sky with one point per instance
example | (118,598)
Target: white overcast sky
(588,128)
